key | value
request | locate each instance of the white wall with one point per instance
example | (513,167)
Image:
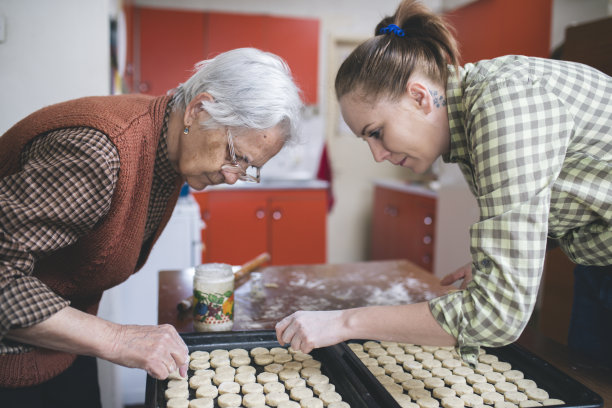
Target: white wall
(53,51)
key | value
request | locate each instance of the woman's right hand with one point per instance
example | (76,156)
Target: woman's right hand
(159,350)
(465,273)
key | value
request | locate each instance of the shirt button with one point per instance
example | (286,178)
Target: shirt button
(485,262)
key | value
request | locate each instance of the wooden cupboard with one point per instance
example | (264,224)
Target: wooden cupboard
(167,43)
(289,224)
(403,226)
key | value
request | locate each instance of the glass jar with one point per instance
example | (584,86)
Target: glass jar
(213,292)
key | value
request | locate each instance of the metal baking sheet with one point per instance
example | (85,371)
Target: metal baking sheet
(558,384)
(348,383)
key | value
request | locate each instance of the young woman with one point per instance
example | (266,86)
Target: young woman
(533,138)
(87,186)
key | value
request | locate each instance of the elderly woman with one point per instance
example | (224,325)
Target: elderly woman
(87,186)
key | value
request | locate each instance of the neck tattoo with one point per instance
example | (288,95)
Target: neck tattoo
(438,99)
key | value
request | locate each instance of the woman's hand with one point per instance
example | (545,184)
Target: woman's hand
(305,331)
(465,273)
(159,350)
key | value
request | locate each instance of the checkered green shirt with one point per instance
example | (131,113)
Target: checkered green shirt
(533,138)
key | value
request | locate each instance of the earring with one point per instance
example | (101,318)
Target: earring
(186,130)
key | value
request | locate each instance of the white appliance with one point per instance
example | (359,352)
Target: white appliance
(135,301)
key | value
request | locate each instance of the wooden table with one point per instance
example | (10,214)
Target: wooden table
(327,287)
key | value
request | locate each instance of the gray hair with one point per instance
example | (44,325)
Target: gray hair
(251,89)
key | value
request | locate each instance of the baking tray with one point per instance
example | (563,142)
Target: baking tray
(348,384)
(547,377)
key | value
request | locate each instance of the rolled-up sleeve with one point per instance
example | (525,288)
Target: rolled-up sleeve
(518,134)
(63,188)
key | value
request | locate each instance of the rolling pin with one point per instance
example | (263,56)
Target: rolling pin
(186,304)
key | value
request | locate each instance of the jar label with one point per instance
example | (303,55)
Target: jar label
(213,308)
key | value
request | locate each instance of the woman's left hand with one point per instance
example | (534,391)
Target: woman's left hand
(305,331)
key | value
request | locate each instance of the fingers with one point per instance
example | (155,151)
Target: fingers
(280,328)
(452,277)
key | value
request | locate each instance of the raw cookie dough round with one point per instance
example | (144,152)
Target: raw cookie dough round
(494,377)
(201,403)
(451,363)
(412,349)
(275,398)
(285,374)
(472,400)
(316,363)
(503,387)
(313,402)
(246,369)
(525,384)
(199,364)
(395,350)
(279,350)
(423,355)
(282,358)
(178,392)
(412,365)
(441,372)
(553,401)
(244,378)
(452,402)
(401,377)
(491,397)
(253,400)
(291,383)
(299,393)
(462,389)
(377,352)
(371,344)
(229,387)
(330,396)
(301,356)
(199,355)
(175,375)
(317,379)
(273,386)
(427,402)
(393,368)
(219,353)
(368,361)
(222,377)
(431,363)
(481,388)
(420,374)
(258,350)
(385,379)
(252,388)
(454,379)
(207,391)
(403,400)
(273,368)
(536,394)
(355,346)
(394,388)
(225,370)
(404,358)
(443,392)
(205,372)
(418,393)
(501,366)
(433,382)
(196,381)
(482,368)
(442,355)
(289,404)
(238,352)
(216,362)
(229,400)
(513,375)
(515,397)
(263,359)
(266,377)
(412,384)
(376,370)
(529,403)
(178,384)
(177,403)
(463,371)
(293,365)
(504,404)
(475,378)
(309,372)
(324,387)
(487,358)
(240,361)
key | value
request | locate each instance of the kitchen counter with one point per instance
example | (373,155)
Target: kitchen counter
(321,287)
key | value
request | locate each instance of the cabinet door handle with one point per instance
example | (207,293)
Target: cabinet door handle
(428,220)
(277,215)
(391,211)
(427,239)
(260,214)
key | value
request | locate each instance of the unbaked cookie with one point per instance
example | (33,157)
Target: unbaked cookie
(201,403)
(313,402)
(219,353)
(220,361)
(536,394)
(330,396)
(525,384)
(288,404)
(177,403)
(263,359)
(295,382)
(240,361)
(199,364)
(197,381)
(515,397)
(309,372)
(491,397)
(252,388)
(207,391)
(238,352)
(266,377)
(317,379)
(229,400)
(282,358)
(471,400)
(443,392)
(253,400)
(222,377)
(199,354)
(244,378)
(452,402)
(258,350)
(229,387)
(323,387)
(273,386)
(341,404)
(275,398)
(182,383)
(299,393)
(285,374)
(279,350)
(462,389)
(246,369)
(274,368)
(427,402)
(178,392)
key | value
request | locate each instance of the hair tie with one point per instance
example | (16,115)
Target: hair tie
(392,28)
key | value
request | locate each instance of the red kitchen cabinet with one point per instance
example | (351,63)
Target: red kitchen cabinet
(403,226)
(167,44)
(289,224)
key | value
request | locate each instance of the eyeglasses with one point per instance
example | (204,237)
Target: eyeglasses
(249,174)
